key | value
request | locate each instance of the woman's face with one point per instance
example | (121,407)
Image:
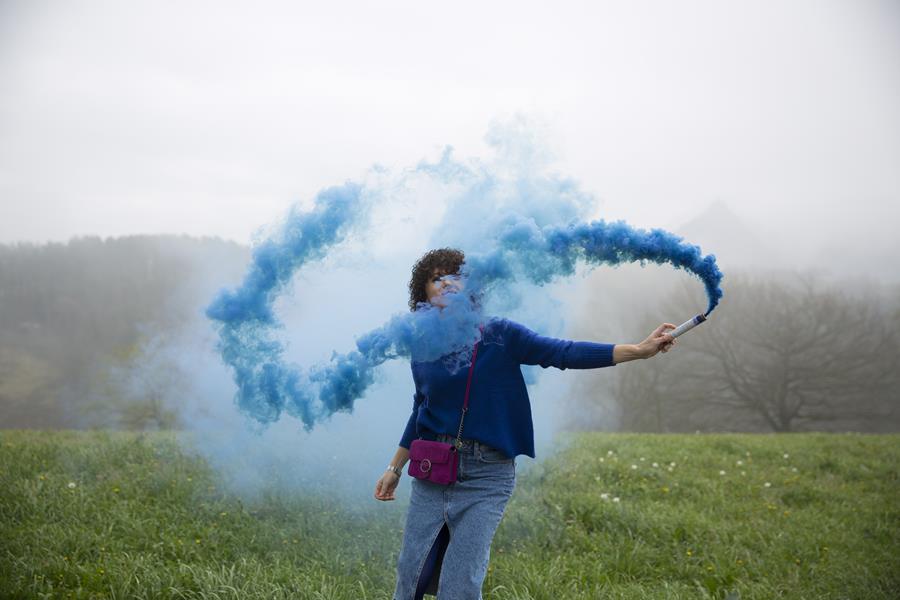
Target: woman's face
(440,284)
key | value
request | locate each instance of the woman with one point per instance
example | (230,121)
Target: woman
(449,528)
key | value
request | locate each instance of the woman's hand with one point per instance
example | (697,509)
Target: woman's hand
(658,341)
(384,489)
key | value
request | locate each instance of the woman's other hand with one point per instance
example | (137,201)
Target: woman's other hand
(384,489)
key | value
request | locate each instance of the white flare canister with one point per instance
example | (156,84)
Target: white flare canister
(687,326)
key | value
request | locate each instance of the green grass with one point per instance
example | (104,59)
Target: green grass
(90,515)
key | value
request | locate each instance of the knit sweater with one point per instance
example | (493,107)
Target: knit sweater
(499,412)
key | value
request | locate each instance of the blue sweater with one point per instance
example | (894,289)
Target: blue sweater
(499,412)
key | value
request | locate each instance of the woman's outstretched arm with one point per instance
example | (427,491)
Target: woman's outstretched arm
(658,341)
(529,348)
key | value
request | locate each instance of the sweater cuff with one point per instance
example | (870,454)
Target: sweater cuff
(590,355)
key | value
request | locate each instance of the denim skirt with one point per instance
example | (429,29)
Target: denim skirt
(449,528)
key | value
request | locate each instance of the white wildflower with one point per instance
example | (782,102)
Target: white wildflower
(786,455)
(616,499)
(672,465)
(743,472)
(71,485)
(740,463)
(609,452)
(643,459)
(634,466)
(655,465)
(604,496)
(767,484)
(721,472)
(794,469)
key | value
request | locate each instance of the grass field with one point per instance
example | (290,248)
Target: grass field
(90,515)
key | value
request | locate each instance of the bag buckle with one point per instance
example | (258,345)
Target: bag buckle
(425,465)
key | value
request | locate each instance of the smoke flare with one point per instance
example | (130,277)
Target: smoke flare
(524,247)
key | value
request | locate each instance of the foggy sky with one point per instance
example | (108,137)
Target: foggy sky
(206,119)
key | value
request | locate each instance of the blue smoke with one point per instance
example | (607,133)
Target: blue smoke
(540,242)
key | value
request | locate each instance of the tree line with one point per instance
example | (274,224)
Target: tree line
(85,330)
(74,316)
(783,352)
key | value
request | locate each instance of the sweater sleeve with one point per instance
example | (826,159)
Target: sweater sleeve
(410,431)
(529,348)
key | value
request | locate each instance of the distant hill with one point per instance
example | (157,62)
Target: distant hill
(718,230)
(67,308)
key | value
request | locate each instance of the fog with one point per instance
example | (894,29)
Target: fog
(768,133)
(212,119)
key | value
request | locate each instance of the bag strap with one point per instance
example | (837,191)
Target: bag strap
(465,407)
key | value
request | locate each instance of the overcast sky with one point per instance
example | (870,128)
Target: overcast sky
(211,118)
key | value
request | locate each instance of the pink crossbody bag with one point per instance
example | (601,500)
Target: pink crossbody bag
(438,462)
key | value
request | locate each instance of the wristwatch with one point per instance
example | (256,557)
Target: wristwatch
(397,470)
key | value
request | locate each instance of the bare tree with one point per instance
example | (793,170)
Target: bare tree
(647,404)
(781,353)
(139,388)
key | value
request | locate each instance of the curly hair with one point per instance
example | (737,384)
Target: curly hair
(445,261)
